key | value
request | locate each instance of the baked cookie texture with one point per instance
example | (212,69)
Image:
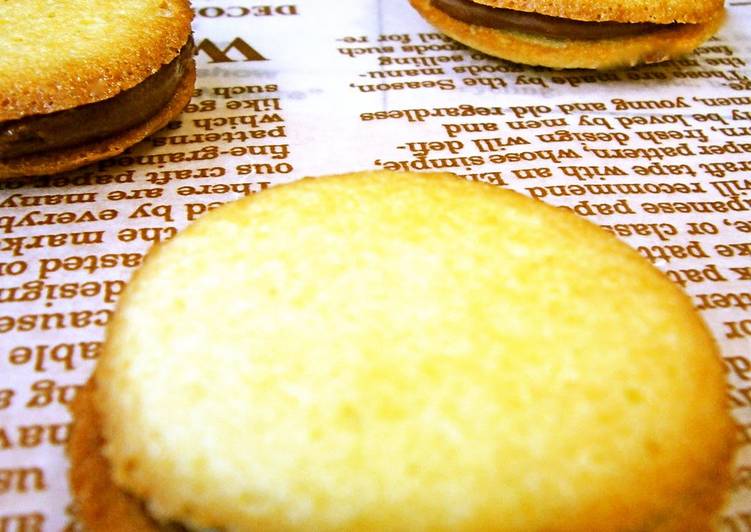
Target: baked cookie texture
(389,351)
(662,12)
(63,159)
(100,503)
(695,23)
(58,56)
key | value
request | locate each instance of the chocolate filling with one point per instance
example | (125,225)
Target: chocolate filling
(71,127)
(542,25)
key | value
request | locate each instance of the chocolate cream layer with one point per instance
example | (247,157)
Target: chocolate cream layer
(541,25)
(86,123)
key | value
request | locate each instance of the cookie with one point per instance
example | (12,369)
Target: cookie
(576,34)
(393,351)
(83,80)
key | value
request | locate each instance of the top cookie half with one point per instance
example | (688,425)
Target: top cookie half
(60,54)
(655,11)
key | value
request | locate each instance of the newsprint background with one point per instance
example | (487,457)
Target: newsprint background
(659,155)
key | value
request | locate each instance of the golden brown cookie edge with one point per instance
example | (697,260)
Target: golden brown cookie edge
(99,504)
(617,10)
(655,47)
(75,157)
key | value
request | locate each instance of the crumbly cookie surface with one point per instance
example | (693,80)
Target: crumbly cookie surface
(59,54)
(653,47)
(661,12)
(61,160)
(410,352)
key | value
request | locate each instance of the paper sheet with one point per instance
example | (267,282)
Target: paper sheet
(660,155)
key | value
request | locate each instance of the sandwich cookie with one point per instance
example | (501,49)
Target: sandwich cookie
(576,33)
(83,80)
(407,352)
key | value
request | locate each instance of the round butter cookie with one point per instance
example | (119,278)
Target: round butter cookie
(393,351)
(578,33)
(82,80)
